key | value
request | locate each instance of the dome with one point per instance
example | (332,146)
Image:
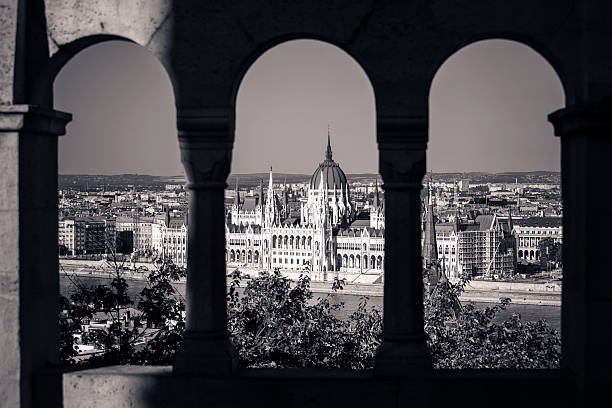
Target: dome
(332,174)
(330,171)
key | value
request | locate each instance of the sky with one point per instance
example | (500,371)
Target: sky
(488,108)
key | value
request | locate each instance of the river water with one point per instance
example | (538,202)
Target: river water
(552,314)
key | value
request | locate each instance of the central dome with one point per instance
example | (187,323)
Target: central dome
(330,171)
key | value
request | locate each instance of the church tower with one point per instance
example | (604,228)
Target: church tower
(430,248)
(271,213)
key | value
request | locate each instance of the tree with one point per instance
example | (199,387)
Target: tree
(550,252)
(461,337)
(275,322)
(159,305)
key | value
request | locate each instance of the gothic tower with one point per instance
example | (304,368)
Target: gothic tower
(430,249)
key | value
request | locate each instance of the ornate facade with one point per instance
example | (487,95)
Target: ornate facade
(262,234)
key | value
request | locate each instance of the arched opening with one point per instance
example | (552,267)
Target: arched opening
(119,154)
(493,166)
(307,108)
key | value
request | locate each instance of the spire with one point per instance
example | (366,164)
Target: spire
(261,196)
(237,196)
(270,187)
(510,226)
(430,248)
(328,152)
(376,195)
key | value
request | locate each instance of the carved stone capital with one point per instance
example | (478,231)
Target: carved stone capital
(402,144)
(593,119)
(206,137)
(33,119)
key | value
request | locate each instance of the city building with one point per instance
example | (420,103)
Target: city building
(530,231)
(263,234)
(86,235)
(169,239)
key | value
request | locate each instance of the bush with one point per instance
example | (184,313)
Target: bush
(278,323)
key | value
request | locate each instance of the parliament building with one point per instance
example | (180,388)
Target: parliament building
(324,240)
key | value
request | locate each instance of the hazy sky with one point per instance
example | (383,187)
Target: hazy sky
(488,111)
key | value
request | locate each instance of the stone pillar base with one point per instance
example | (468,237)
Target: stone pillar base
(205,354)
(406,356)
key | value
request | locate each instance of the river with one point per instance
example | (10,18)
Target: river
(552,314)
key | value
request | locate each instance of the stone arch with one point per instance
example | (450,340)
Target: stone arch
(372,262)
(249,257)
(273,241)
(42,91)
(232,256)
(357,261)
(79,56)
(548,55)
(520,253)
(256,257)
(352,261)
(379,262)
(538,54)
(265,46)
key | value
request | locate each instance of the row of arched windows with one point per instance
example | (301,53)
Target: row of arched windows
(244,256)
(292,242)
(357,261)
(529,255)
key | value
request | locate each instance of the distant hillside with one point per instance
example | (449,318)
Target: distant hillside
(250,180)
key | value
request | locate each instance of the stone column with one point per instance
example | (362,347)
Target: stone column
(586,149)
(29,279)
(206,138)
(402,142)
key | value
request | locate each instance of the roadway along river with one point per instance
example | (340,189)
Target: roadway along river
(528,312)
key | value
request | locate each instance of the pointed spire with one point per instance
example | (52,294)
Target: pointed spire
(376,202)
(270,187)
(510,226)
(328,152)
(430,248)
(261,196)
(237,196)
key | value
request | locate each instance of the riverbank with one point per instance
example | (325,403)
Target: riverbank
(530,308)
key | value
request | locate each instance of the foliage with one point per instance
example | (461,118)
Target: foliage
(463,337)
(275,322)
(120,342)
(550,251)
